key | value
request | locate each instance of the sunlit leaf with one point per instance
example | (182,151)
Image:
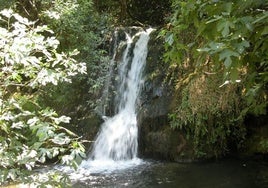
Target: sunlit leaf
(7,12)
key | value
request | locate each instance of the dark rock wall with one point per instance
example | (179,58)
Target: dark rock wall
(156,138)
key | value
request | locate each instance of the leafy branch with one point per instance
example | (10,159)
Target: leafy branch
(31,133)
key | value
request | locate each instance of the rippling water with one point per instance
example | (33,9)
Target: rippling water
(222,174)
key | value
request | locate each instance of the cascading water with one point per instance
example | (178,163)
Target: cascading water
(118,137)
(116,144)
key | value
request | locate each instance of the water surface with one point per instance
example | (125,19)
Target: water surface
(229,173)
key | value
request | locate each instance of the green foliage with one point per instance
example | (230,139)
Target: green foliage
(29,132)
(78,26)
(70,20)
(109,7)
(225,40)
(208,115)
(233,34)
(6,4)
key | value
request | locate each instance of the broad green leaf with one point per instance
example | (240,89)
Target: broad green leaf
(169,39)
(224,26)
(226,55)
(228,62)
(241,46)
(216,47)
(247,21)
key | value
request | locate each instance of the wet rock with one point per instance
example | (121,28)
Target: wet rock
(158,141)
(156,137)
(257,136)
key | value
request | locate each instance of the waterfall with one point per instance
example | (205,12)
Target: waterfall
(116,144)
(117,139)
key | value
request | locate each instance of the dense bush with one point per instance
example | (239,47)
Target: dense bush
(29,132)
(226,41)
(78,26)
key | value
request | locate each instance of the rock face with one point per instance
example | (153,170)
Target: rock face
(156,138)
(257,135)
